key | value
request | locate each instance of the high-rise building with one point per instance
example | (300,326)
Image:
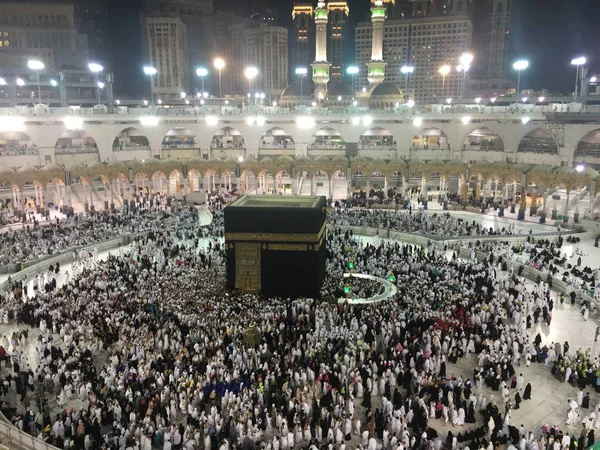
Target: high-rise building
(91,18)
(44,31)
(337,36)
(192,13)
(223,38)
(499,32)
(424,43)
(168,53)
(266,48)
(303,36)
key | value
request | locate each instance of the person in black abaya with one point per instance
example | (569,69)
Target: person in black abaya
(470,417)
(586,401)
(517,401)
(527,392)
(366,399)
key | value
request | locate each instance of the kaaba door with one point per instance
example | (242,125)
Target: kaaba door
(247,267)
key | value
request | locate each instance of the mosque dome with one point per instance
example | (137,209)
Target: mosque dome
(293,90)
(386,90)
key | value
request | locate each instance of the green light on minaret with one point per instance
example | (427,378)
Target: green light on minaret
(378,10)
(320,14)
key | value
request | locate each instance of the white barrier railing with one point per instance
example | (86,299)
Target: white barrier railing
(13,438)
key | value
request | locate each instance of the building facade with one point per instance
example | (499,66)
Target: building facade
(91,18)
(303,37)
(337,38)
(266,47)
(193,14)
(168,53)
(44,31)
(424,43)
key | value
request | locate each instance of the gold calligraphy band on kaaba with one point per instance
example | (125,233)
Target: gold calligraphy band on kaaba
(276,237)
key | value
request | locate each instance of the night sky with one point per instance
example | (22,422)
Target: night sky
(549,33)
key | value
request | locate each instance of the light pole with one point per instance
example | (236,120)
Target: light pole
(519,66)
(250,73)
(96,69)
(407,70)
(465,61)
(202,72)
(219,65)
(353,70)
(151,71)
(37,66)
(580,61)
(444,70)
(301,72)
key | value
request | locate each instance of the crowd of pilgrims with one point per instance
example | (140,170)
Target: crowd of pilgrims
(546,255)
(413,222)
(36,241)
(151,349)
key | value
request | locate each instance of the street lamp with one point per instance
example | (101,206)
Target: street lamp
(580,61)
(151,71)
(202,72)
(353,70)
(53,83)
(2,82)
(407,70)
(101,84)
(37,66)
(444,70)
(96,68)
(219,65)
(519,66)
(301,72)
(20,82)
(250,73)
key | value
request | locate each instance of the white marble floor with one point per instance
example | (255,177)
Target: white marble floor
(549,396)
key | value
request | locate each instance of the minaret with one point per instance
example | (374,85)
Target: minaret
(321,67)
(376,67)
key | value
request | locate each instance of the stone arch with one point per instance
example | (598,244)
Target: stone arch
(277,137)
(175,182)
(194,180)
(430,139)
(327,138)
(228,138)
(178,138)
(160,182)
(483,138)
(131,139)
(376,138)
(248,180)
(589,145)
(75,141)
(16,143)
(538,140)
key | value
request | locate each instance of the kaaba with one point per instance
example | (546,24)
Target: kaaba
(275,245)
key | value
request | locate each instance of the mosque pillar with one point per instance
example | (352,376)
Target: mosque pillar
(423,186)
(505,196)
(514,193)
(331,188)
(69,200)
(14,198)
(385,186)
(247,178)
(592,196)
(311,185)
(368,186)
(214,186)
(566,214)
